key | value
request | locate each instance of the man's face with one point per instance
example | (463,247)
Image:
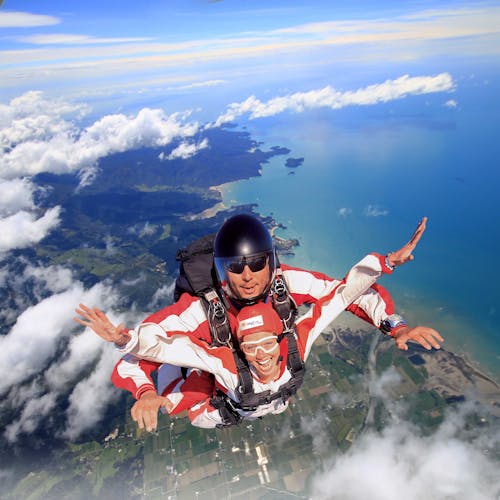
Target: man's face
(249,284)
(262,353)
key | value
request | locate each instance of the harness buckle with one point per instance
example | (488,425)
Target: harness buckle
(217,319)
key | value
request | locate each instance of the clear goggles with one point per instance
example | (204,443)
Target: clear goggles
(266,344)
(236,265)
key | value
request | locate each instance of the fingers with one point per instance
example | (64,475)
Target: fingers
(415,238)
(145,417)
(145,411)
(150,418)
(169,406)
(401,343)
(432,338)
(81,321)
(428,338)
(134,412)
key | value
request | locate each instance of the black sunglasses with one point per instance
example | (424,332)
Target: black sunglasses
(238,264)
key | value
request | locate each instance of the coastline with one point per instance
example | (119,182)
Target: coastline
(213,210)
(450,374)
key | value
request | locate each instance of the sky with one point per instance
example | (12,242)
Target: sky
(82,80)
(101,49)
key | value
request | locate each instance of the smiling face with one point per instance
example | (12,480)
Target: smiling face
(262,352)
(249,284)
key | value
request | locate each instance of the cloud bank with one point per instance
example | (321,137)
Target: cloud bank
(328,97)
(43,135)
(45,356)
(42,140)
(400,463)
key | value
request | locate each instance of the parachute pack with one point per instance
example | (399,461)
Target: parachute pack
(197,276)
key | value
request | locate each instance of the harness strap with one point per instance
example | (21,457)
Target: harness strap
(227,409)
(218,320)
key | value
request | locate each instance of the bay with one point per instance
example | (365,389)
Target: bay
(368,176)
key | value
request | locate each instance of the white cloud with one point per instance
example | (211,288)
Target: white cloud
(328,97)
(375,211)
(23,229)
(379,386)
(31,116)
(71,39)
(31,343)
(37,139)
(186,150)
(400,463)
(142,230)
(52,278)
(26,284)
(451,103)
(163,295)
(91,396)
(83,349)
(41,358)
(316,427)
(25,20)
(16,195)
(344,211)
(30,417)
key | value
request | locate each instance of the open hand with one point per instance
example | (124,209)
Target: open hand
(404,254)
(97,321)
(426,337)
(145,410)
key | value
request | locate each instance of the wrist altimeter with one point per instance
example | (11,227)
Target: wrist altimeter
(389,324)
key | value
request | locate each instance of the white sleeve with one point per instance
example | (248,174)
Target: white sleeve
(149,341)
(358,280)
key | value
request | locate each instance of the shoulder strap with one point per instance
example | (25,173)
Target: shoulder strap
(286,308)
(218,320)
(283,302)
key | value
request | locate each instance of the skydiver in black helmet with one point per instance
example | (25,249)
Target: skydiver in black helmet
(247,269)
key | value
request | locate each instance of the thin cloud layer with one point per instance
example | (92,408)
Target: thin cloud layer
(15,19)
(401,463)
(412,36)
(42,358)
(328,97)
(31,343)
(375,211)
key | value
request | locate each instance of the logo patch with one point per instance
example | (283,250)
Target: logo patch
(249,323)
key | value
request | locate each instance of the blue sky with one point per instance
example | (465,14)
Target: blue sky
(182,48)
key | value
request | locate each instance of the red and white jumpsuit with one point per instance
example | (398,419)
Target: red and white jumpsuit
(179,336)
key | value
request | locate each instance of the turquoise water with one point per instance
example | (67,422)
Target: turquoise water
(404,160)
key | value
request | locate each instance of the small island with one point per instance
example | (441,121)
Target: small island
(294,162)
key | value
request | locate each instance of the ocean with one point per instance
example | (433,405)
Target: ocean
(368,176)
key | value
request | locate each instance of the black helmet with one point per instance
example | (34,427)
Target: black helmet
(243,240)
